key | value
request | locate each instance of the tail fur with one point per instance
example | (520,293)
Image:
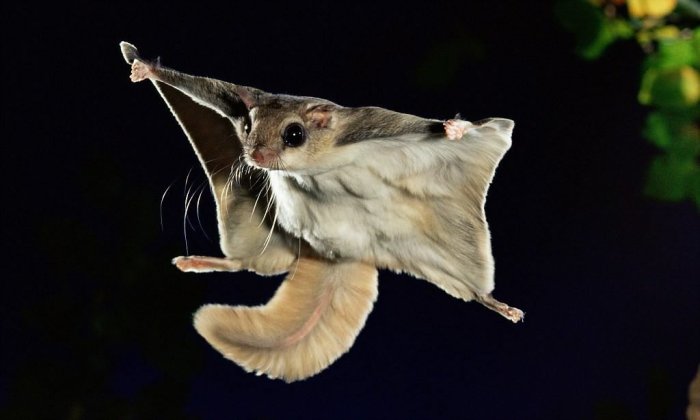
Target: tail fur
(313,319)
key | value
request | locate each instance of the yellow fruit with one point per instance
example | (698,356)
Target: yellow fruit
(650,8)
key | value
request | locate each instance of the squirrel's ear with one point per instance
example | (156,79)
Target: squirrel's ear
(321,116)
(249,96)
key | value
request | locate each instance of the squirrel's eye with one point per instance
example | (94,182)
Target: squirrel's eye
(246,127)
(294,135)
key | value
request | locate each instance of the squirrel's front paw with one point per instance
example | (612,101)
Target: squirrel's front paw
(140,71)
(455,129)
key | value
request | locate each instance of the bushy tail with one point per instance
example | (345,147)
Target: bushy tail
(312,319)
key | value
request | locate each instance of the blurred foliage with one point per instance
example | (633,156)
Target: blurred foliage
(667,30)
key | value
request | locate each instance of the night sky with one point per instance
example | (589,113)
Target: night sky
(96,322)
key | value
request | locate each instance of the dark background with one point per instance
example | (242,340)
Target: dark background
(96,322)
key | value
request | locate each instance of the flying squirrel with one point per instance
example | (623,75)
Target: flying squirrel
(329,194)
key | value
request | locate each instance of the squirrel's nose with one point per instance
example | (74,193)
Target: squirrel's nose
(263,156)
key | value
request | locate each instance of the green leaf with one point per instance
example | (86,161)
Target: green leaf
(678,52)
(670,87)
(675,52)
(657,130)
(672,179)
(677,133)
(620,28)
(593,32)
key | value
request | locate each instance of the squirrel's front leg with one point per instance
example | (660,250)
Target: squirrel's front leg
(218,95)
(199,264)
(271,262)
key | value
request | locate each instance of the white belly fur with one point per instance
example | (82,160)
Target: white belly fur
(338,224)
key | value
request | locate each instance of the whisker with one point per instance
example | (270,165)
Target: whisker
(258,175)
(270,201)
(218,171)
(199,219)
(240,168)
(298,238)
(278,165)
(208,161)
(162,199)
(191,192)
(228,186)
(296,266)
(217,193)
(184,218)
(272,229)
(255,205)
